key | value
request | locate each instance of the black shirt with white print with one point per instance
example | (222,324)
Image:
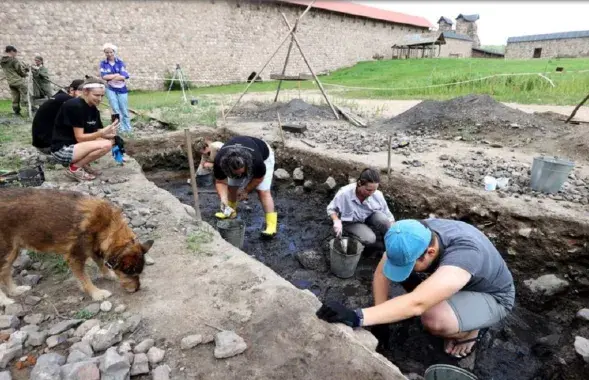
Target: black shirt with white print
(75,113)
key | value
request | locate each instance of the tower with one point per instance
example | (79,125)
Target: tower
(466,24)
(445,24)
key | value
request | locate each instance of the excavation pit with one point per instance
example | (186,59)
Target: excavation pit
(534,342)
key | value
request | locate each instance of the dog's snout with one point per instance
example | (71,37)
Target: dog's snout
(131,284)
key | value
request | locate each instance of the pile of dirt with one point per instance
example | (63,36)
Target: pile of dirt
(295,110)
(474,116)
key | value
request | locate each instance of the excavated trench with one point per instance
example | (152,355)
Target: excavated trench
(534,342)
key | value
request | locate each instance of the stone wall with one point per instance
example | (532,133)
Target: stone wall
(215,41)
(470,29)
(572,47)
(456,48)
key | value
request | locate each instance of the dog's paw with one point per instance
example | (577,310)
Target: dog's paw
(101,294)
(5,301)
(19,290)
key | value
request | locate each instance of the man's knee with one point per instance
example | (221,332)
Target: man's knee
(438,321)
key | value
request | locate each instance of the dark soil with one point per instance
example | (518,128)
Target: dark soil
(475,116)
(295,110)
(525,346)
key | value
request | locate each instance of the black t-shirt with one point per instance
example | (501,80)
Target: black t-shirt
(45,119)
(74,113)
(258,149)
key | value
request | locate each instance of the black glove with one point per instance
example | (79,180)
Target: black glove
(334,312)
(120,143)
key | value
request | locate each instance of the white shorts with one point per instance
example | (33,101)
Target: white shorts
(266,182)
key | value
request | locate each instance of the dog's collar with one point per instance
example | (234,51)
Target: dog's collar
(113,263)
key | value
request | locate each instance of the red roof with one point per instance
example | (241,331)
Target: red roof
(366,11)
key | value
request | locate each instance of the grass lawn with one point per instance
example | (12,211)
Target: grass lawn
(569,88)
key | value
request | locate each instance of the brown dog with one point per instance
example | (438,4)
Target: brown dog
(76,226)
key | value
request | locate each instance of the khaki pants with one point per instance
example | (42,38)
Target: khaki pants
(19,95)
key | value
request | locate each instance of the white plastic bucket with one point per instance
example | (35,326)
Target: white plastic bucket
(490,183)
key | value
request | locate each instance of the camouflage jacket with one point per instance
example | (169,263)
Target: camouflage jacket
(15,70)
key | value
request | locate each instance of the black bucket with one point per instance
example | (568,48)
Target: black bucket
(204,180)
(232,230)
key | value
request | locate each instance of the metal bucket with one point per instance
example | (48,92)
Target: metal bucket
(549,174)
(232,230)
(447,372)
(204,180)
(343,263)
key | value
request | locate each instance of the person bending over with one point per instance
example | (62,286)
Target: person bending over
(469,287)
(208,151)
(78,135)
(360,210)
(243,164)
(44,119)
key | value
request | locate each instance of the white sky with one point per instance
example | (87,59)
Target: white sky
(500,19)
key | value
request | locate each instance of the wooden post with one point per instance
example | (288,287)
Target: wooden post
(280,129)
(223,112)
(29,95)
(267,62)
(389,157)
(286,61)
(296,40)
(192,174)
(576,109)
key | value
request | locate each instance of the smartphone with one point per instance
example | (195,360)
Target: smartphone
(114,116)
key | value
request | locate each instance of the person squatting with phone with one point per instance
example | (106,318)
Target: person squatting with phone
(79,137)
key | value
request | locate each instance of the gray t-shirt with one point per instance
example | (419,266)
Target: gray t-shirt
(464,246)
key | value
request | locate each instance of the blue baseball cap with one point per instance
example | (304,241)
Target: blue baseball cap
(405,242)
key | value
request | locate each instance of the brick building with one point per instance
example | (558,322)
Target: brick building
(213,40)
(552,45)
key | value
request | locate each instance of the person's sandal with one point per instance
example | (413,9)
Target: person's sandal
(79,175)
(477,340)
(89,170)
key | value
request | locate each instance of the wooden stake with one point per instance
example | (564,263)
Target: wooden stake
(280,129)
(192,174)
(223,112)
(270,59)
(286,61)
(389,157)
(576,109)
(296,40)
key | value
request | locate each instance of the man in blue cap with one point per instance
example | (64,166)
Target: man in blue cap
(469,287)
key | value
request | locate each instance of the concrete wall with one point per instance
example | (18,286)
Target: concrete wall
(213,40)
(572,47)
(455,47)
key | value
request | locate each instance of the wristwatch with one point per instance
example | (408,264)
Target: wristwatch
(360,316)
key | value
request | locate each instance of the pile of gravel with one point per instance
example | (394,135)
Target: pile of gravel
(474,168)
(295,110)
(471,113)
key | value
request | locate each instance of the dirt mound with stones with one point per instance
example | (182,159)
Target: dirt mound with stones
(294,110)
(474,117)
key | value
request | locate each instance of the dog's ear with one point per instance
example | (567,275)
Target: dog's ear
(146,246)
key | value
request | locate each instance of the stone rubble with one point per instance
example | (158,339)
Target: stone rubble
(547,285)
(477,165)
(228,344)
(582,347)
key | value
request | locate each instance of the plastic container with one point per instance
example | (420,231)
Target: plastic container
(490,183)
(502,183)
(204,180)
(447,372)
(342,264)
(549,173)
(233,231)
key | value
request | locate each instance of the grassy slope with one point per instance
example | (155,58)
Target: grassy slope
(570,87)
